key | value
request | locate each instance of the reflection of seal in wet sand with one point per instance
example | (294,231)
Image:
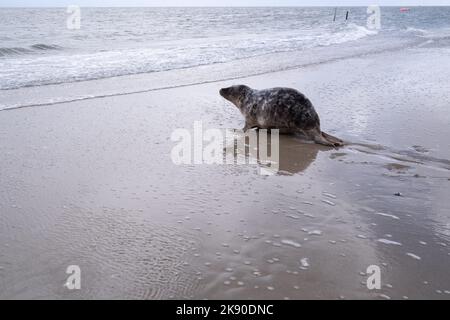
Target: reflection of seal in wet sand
(294,156)
(279,108)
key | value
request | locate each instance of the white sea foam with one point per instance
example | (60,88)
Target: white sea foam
(414,256)
(386,241)
(304,262)
(291,243)
(387,215)
(416,30)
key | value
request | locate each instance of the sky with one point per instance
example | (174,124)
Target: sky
(224,3)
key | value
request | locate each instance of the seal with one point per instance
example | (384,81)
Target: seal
(285,109)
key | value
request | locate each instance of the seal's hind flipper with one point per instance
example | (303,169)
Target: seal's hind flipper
(335,142)
(324,138)
(320,139)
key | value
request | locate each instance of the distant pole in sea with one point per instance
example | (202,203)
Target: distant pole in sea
(335,10)
(346,16)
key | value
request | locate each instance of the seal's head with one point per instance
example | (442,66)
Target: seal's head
(235,94)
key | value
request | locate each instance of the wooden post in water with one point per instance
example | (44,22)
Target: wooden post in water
(334,18)
(346,16)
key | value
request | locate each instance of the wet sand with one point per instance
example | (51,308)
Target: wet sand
(91,183)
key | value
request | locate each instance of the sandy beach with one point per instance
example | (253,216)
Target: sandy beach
(91,183)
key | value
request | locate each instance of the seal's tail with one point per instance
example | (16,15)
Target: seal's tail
(328,140)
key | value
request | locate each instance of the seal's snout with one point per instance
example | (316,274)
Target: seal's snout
(223,92)
(234,94)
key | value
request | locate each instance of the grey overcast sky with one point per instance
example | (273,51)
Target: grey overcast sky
(224,3)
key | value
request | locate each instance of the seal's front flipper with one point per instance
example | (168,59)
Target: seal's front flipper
(248,126)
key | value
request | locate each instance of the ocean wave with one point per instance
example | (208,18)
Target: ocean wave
(70,67)
(416,30)
(39,47)
(351,32)
(42,46)
(437,37)
(432,33)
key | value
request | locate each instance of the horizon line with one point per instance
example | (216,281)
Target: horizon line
(232,6)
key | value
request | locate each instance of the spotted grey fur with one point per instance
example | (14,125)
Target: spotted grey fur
(279,108)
